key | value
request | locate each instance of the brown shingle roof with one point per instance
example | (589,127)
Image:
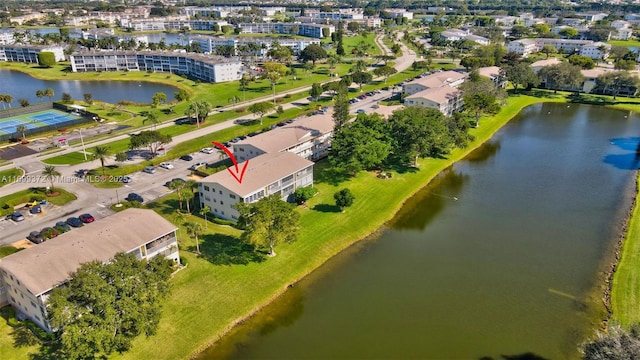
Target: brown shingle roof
(261,171)
(44,266)
(282,138)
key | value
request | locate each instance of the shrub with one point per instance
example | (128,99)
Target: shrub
(183,261)
(287,96)
(241,109)
(279,100)
(219,221)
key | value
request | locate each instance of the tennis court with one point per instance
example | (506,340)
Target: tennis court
(35,120)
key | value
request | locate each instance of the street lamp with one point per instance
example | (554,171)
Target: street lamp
(82,142)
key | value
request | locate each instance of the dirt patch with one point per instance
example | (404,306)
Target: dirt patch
(22,244)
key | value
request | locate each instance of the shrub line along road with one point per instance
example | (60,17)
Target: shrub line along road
(97,200)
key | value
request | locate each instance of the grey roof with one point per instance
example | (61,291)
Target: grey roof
(283,138)
(261,171)
(49,264)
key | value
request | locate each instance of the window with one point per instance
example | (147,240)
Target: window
(232,196)
(221,202)
(33,304)
(206,188)
(220,192)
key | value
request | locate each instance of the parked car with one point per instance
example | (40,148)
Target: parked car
(134,197)
(149,170)
(86,218)
(126,179)
(186,157)
(166,165)
(208,150)
(48,233)
(75,222)
(16,216)
(197,165)
(62,227)
(82,173)
(35,237)
(37,209)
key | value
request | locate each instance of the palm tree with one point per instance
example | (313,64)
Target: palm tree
(40,94)
(189,186)
(21,129)
(8,99)
(3,99)
(152,117)
(50,172)
(195,229)
(204,211)
(48,92)
(101,153)
(177,186)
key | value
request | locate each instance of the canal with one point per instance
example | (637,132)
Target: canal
(502,255)
(21,85)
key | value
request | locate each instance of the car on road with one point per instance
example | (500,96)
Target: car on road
(166,165)
(360,111)
(86,218)
(16,216)
(134,197)
(149,170)
(174,179)
(62,227)
(197,165)
(35,237)
(75,222)
(126,179)
(208,150)
(186,157)
(82,173)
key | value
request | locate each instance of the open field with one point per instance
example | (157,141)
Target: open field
(625,43)
(8,176)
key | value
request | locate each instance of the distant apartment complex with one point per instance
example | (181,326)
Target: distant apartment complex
(204,67)
(208,44)
(457,35)
(308,137)
(594,50)
(279,173)
(28,277)
(170,23)
(29,53)
(310,30)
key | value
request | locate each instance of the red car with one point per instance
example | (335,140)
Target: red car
(86,218)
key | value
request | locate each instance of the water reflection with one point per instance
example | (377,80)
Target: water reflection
(425,205)
(628,160)
(484,152)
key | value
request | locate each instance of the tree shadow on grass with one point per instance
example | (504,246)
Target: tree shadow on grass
(326,208)
(222,249)
(330,175)
(23,337)
(165,207)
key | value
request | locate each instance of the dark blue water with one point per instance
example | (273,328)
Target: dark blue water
(21,85)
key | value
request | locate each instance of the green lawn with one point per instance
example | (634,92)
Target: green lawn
(68,159)
(625,289)
(9,176)
(626,43)
(7,250)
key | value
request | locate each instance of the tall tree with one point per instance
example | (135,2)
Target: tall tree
(561,76)
(50,172)
(105,306)
(385,71)
(419,132)
(101,153)
(520,74)
(204,211)
(40,94)
(261,108)
(481,96)
(341,109)
(199,109)
(360,145)
(152,118)
(274,72)
(46,59)
(614,82)
(48,92)
(8,98)
(22,129)
(178,186)
(344,198)
(361,78)
(195,229)
(244,82)
(181,95)
(316,91)
(158,98)
(269,222)
(548,50)
(313,53)
(152,139)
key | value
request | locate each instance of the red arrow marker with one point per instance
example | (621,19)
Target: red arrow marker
(238,175)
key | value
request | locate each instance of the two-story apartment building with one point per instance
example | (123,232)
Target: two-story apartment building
(445,99)
(28,277)
(278,173)
(310,30)
(436,80)
(204,67)
(208,44)
(308,137)
(523,47)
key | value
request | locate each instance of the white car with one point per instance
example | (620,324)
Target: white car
(208,150)
(166,165)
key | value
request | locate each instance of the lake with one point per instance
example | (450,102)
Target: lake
(21,85)
(502,255)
